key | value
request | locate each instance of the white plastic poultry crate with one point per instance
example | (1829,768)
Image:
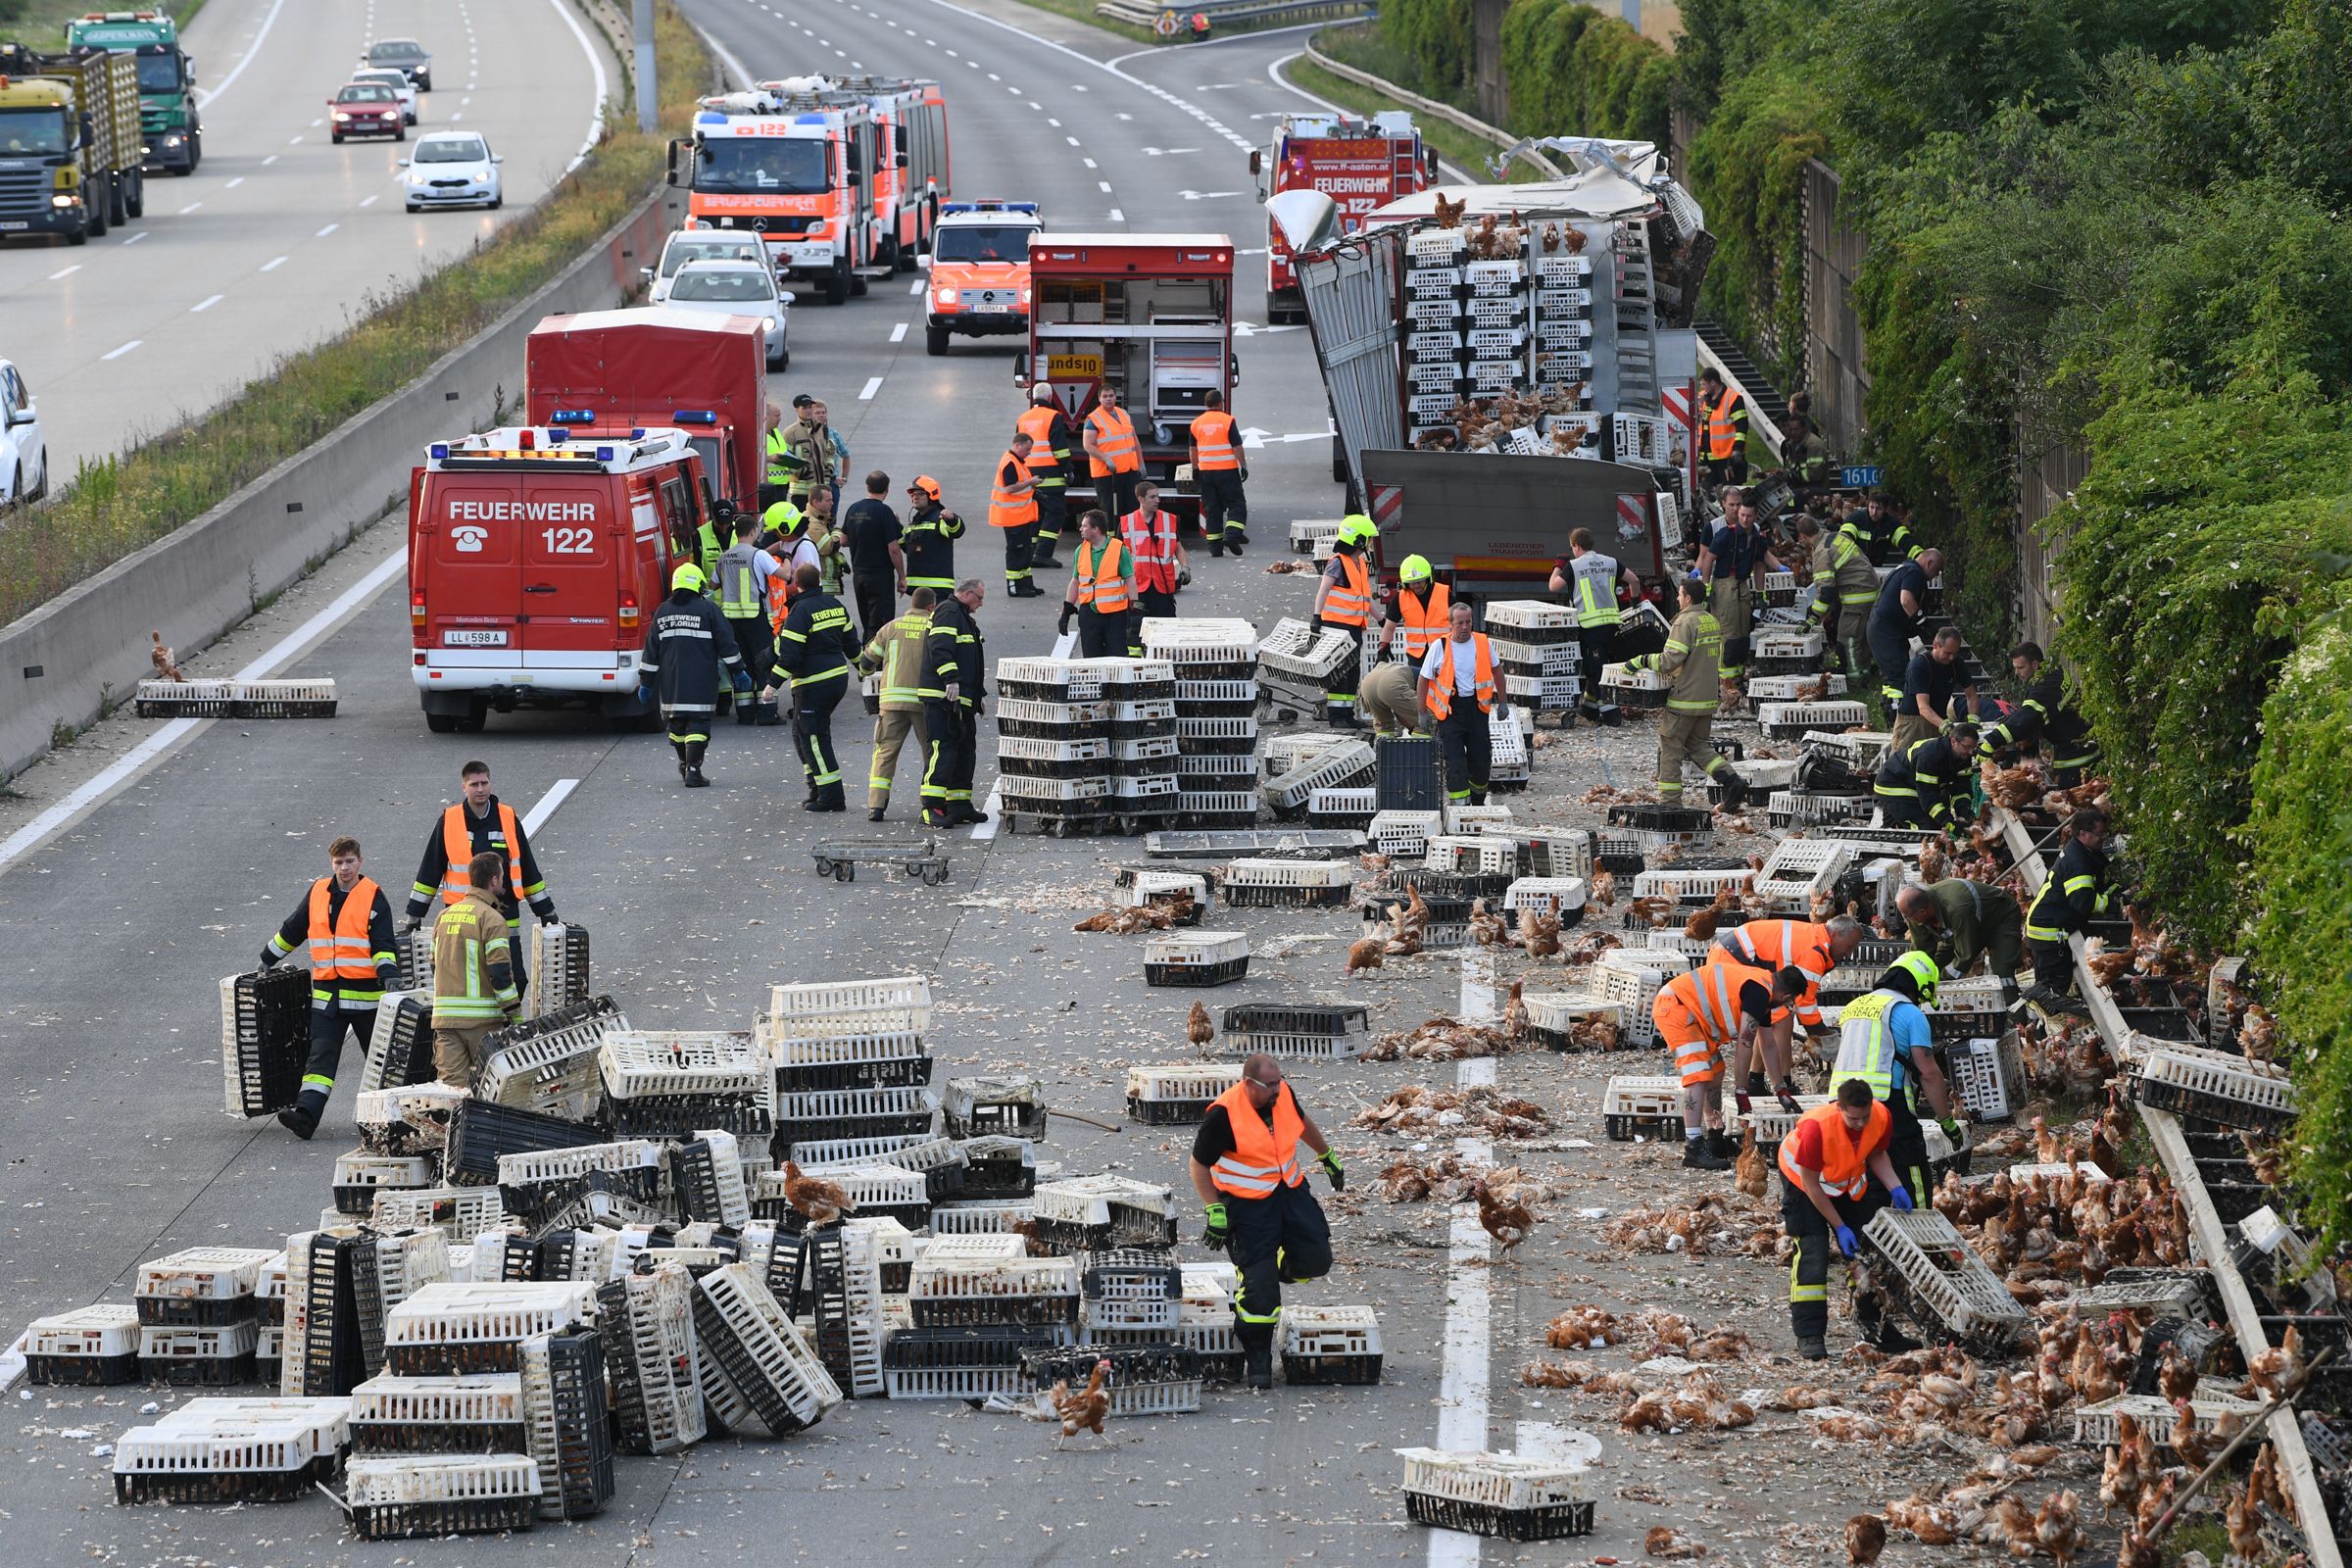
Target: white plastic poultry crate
(1313,1032)
(2232,1091)
(1762,689)
(1296,650)
(1861,752)
(1472,854)
(2101,1423)
(1977,1080)
(948,1289)
(1279,754)
(1195,957)
(394,1414)
(200,1453)
(647,1324)
(1172,637)
(200,1285)
(1265,882)
(1562,897)
(636,1063)
(641,1155)
(1148,886)
(1635,989)
(553,1073)
(558,954)
(1536,661)
(91,1345)
(1331,1344)
(1785,651)
(1934,1273)
(705,1174)
(1496,1494)
(447,1329)
(1462,818)
(1799,869)
(1351,806)
(1090,1213)
(1405,835)
(1632,688)
(441,1495)
(217,1354)
(1771,1121)
(829,1000)
(1801,809)
(1307,532)
(1507,758)
(464,1213)
(1644,1105)
(359,1174)
(1788,721)
(1554,1015)
(395,1121)
(758,1374)
(1347,763)
(1684,886)
(980,1217)
(1178,1093)
(872,1190)
(1049,680)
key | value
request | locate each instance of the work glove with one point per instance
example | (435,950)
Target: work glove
(1318,624)
(954,691)
(550,919)
(268,958)
(1069,612)
(1787,1094)
(979,705)
(408,930)
(1184,577)
(645,693)
(1846,1245)
(1950,1128)
(1901,1196)
(1331,1164)
(743,685)
(1741,1099)
(1215,1235)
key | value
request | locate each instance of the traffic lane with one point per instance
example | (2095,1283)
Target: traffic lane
(211,287)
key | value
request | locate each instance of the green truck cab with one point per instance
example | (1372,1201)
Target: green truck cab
(168,115)
(69,143)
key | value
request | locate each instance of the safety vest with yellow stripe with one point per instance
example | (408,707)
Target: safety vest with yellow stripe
(1151,541)
(1844,1158)
(1424,618)
(1046,460)
(1778,944)
(1263,1157)
(1596,580)
(1866,1045)
(341,950)
(1114,442)
(1101,577)
(739,582)
(1723,434)
(782,463)
(1005,510)
(456,845)
(1439,702)
(1348,602)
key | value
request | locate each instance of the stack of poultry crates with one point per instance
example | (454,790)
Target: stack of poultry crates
(1347,765)
(1497,324)
(1437,344)
(560,976)
(1053,735)
(848,1058)
(1562,275)
(233,1451)
(1537,653)
(1216,685)
(197,1314)
(672,1083)
(1145,781)
(1296,665)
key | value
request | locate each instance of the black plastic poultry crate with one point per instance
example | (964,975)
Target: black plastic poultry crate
(82,1371)
(272,1027)
(672,1116)
(1552,1522)
(482,1130)
(972,1345)
(576,1479)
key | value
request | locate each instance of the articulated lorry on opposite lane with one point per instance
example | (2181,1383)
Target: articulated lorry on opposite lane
(69,144)
(169,118)
(1509,362)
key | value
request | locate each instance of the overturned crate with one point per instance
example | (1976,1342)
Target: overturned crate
(548,1064)
(570,1434)
(1195,957)
(1574,1020)
(967,1361)
(1141,1379)
(1308,1031)
(2213,1086)
(673,1081)
(1094,1213)
(1331,1344)
(647,1324)
(759,1376)
(1938,1278)
(1642,1106)
(994,1106)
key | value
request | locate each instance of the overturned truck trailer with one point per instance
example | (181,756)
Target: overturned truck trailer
(1475,338)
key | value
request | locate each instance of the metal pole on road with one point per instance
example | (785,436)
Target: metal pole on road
(647,98)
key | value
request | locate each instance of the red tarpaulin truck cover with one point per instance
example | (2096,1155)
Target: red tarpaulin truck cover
(650,367)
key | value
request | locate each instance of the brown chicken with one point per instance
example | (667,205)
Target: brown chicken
(1922,1521)
(1515,1014)
(1084,1410)
(816,1199)
(1655,910)
(2272,1370)
(1751,1172)
(1127,921)
(1664,1541)
(1198,1029)
(1602,893)
(1581,1327)
(1865,1539)
(1284,568)
(1540,934)
(1369,953)
(2056,1530)
(1508,1222)
(1449,213)
(1486,929)
(161,657)
(1700,927)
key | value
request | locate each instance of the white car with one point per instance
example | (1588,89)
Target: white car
(23,455)
(402,88)
(735,289)
(699,245)
(451,169)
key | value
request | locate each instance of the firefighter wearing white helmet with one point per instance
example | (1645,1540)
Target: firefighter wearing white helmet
(1885,1041)
(689,653)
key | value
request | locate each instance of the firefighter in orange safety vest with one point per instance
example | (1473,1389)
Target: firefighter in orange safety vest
(1114,456)
(344,923)
(1254,1198)
(1461,686)
(1100,597)
(1828,1196)
(1219,473)
(1012,508)
(1051,443)
(1344,599)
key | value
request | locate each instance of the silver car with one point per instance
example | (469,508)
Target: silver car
(698,245)
(735,289)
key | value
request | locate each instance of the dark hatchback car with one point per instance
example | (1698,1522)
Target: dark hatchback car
(406,55)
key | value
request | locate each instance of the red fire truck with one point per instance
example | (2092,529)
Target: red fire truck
(602,373)
(1360,165)
(1147,314)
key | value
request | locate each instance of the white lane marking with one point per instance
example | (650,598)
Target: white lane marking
(125,349)
(536,817)
(1034,104)
(916,287)
(208,302)
(872,386)
(993,77)
(368,202)
(462,101)
(1089,163)
(234,183)
(1072,140)
(898,333)
(1056,123)
(1117,216)
(735,67)
(272,159)
(994,807)
(191,207)
(328,229)
(316,124)
(274,264)
(596,64)
(141,236)
(293,141)
(1462,1389)
(460,115)
(141,756)
(204,99)
(67,273)
(1102,185)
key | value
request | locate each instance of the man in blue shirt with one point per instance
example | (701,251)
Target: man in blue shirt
(1735,551)
(1885,1041)
(1896,619)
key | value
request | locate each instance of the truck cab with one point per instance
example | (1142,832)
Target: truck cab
(979,284)
(535,560)
(1150,315)
(602,373)
(68,144)
(1361,164)
(170,122)
(784,161)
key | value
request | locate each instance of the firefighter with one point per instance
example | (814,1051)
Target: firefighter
(1885,1041)
(474,987)
(1735,551)
(1966,920)
(1724,416)
(812,656)
(1935,690)
(1721,1003)
(1254,1199)
(1813,946)
(1100,597)
(2077,890)
(776,480)
(877,561)
(1844,588)
(1012,508)
(1220,473)
(480,823)
(1827,1162)
(745,576)
(1461,665)
(1051,443)
(1114,458)
(929,541)
(1689,663)
(827,540)
(814,455)
(2045,718)
(1422,609)
(897,650)
(688,655)
(955,666)
(1930,785)
(1600,584)
(1390,699)
(344,923)
(1162,566)
(1894,620)
(1344,599)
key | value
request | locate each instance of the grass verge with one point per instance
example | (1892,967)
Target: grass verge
(41,24)
(1454,145)
(116,506)
(1084,11)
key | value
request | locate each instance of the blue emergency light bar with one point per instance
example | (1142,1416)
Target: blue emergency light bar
(693,416)
(809,119)
(637,432)
(572,417)
(711,117)
(438,451)
(604,454)
(991,206)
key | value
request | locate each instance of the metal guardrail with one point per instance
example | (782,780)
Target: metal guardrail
(1143,14)
(2204,1220)
(1437,110)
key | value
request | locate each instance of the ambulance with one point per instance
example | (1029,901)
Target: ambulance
(535,559)
(979,284)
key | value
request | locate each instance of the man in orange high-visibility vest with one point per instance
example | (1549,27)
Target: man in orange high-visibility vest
(344,923)
(1344,599)
(1459,686)
(1114,456)
(1013,507)
(1218,474)
(479,824)
(1828,1195)
(1245,1167)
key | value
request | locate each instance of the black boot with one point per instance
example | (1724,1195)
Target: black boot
(1719,1143)
(1478,796)
(771,715)
(1216,550)
(302,1117)
(680,747)
(694,764)
(1235,539)
(1257,1355)
(1696,1158)
(877,814)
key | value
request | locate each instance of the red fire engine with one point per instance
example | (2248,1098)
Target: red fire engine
(1360,165)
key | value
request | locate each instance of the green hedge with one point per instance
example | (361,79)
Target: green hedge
(1747,171)
(1434,35)
(1574,72)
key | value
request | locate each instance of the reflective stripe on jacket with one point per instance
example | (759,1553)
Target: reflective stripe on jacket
(1212,434)
(1440,689)
(473,965)
(1263,1157)
(1115,439)
(1101,576)
(1348,602)
(1844,1158)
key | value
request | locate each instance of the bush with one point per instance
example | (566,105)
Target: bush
(1435,34)
(1747,171)
(1573,72)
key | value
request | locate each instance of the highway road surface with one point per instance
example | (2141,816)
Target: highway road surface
(280,238)
(120,925)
